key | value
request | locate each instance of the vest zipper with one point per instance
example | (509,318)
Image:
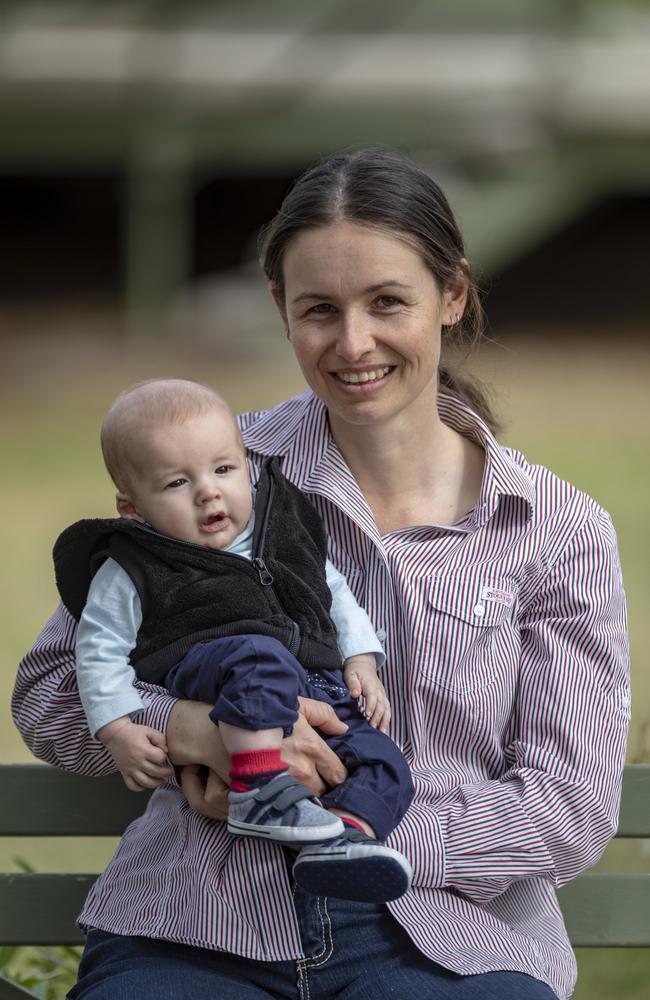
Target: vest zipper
(266,578)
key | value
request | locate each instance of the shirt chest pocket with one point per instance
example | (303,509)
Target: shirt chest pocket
(469,640)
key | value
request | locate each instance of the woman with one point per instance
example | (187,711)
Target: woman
(497,589)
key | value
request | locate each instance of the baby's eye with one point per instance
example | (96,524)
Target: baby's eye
(175,483)
(221,470)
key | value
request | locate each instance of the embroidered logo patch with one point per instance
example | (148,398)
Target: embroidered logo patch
(497,595)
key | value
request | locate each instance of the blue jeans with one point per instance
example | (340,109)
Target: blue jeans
(357,951)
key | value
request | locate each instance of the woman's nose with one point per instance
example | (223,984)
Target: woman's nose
(355,338)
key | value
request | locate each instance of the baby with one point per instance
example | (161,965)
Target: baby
(222,593)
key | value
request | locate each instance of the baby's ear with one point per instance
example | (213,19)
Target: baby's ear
(126,507)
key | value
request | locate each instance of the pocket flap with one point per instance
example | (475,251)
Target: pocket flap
(474,598)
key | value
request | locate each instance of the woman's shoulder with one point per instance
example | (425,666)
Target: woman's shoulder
(274,432)
(277,420)
(555,499)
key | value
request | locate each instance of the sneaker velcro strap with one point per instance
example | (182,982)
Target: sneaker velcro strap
(282,793)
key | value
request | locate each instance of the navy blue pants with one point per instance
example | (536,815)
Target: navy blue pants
(254,683)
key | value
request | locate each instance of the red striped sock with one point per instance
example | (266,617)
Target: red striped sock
(253,768)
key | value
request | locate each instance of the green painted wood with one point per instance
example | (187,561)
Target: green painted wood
(634,820)
(611,910)
(38,800)
(11,991)
(607,910)
(42,909)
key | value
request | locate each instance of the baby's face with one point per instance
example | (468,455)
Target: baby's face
(192,481)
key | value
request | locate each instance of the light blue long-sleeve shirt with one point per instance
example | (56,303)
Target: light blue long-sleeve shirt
(110,621)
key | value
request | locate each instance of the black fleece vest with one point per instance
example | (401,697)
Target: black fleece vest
(190,593)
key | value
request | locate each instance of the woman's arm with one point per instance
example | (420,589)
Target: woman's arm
(554,809)
(47,710)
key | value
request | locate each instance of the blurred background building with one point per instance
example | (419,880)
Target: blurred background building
(142,145)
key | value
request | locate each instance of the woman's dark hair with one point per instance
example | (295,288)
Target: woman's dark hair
(376,187)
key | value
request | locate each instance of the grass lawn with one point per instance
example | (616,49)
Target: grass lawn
(581,409)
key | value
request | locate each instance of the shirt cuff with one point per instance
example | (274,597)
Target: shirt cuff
(129,703)
(158,707)
(348,647)
(419,837)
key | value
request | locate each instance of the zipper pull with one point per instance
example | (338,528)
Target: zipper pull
(262,571)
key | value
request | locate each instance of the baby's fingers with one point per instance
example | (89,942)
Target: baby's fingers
(380,716)
(147,777)
(370,705)
(157,739)
(354,684)
(154,756)
(159,771)
(382,720)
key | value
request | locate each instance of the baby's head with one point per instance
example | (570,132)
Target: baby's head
(174,451)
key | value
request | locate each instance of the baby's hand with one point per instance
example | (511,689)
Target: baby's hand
(139,751)
(360,673)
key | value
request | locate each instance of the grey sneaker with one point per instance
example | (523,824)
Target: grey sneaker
(283,811)
(354,866)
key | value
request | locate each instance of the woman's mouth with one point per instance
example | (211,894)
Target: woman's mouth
(370,376)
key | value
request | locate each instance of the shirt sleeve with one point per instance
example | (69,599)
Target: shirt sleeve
(554,809)
(47,709)
(353,626)
(106,634)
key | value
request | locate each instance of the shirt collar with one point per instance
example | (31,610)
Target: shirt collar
(504,474)
(298,432)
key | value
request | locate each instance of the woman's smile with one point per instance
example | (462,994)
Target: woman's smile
(364,379)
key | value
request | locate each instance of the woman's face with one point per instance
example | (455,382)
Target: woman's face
(364,316)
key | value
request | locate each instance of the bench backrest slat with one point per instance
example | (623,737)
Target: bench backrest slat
(41,801)
(610,910)
(634,818)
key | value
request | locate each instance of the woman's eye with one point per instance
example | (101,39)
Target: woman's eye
(322,309)
(388,301)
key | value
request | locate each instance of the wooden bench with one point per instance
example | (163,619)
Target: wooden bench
(601,910)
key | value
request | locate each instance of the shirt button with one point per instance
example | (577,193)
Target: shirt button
(479,610)
(381,635)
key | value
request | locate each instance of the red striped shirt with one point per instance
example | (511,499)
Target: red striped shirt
(507,670)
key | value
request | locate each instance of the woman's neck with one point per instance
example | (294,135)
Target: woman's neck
(420,472)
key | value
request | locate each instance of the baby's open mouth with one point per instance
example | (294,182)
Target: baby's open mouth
(213,519)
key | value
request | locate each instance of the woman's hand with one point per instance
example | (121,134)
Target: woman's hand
(208,797)
(194,739)
(305,752)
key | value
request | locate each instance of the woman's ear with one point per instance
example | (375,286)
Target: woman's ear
(278,297)
(126,507)
(454,299)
